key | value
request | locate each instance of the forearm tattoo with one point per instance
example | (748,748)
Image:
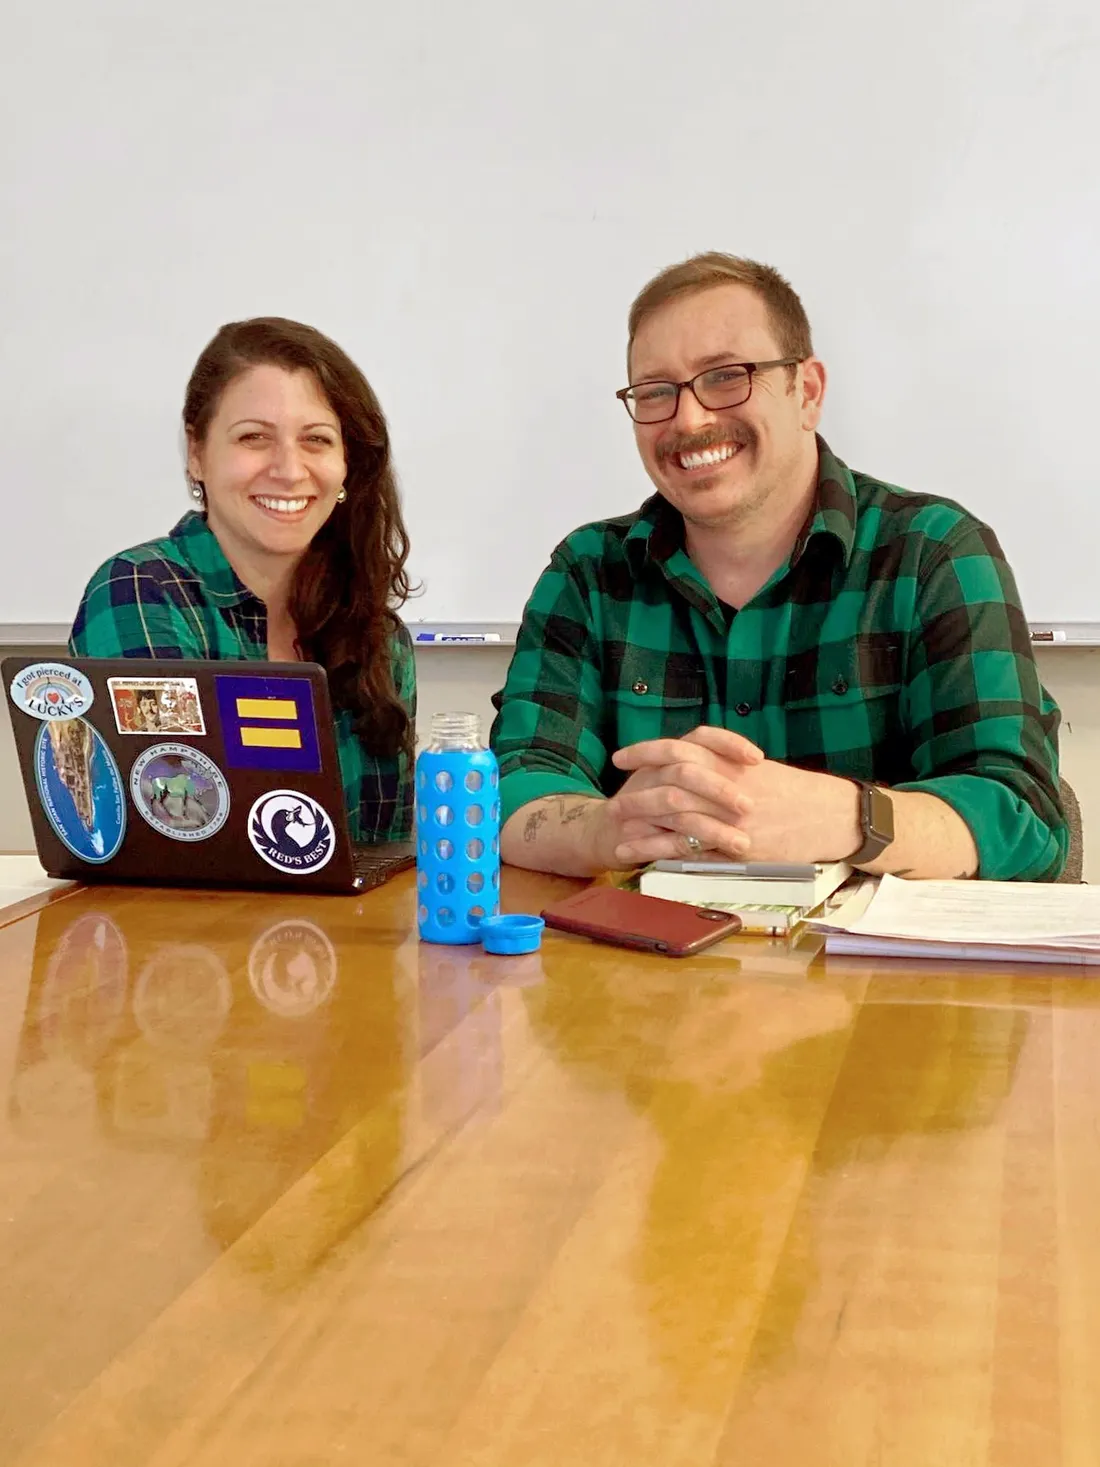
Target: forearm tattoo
(567,813)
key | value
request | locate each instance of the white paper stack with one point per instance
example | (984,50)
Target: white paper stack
(1003,921)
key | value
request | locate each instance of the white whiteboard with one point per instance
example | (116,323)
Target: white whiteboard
(467,197)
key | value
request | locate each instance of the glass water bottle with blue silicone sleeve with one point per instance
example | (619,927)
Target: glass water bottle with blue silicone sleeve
(457,831)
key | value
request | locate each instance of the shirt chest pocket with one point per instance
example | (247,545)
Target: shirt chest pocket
(645,706)
(842,709)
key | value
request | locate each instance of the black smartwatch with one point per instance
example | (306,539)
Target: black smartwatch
(876,818)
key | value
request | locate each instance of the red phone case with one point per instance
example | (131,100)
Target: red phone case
(629,919)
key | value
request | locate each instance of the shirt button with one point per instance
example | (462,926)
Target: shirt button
(743,710)
(640,687)
(840,687)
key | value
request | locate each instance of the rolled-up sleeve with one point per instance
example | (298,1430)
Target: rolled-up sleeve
(984,730)
(548,734)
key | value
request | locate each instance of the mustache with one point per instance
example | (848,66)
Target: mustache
(697,442)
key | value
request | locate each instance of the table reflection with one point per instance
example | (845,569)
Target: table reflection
(772,1103)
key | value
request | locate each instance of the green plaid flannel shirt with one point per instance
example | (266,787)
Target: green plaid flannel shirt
(891,646)
(179,597)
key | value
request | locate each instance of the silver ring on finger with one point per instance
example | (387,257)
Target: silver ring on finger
(694,844)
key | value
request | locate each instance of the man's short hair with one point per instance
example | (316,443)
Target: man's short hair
(702,272)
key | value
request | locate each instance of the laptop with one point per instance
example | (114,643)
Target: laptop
(184,773)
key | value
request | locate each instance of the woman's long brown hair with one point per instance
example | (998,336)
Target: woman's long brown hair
(351,581)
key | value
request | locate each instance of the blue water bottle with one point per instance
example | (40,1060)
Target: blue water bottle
(457,831)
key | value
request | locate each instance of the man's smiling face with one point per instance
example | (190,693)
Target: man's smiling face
(721,466)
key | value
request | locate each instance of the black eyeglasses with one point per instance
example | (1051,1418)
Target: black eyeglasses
(718,387)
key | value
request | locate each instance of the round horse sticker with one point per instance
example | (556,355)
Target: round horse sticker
(180,792)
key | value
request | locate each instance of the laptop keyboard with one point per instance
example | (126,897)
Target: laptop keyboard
(373,865)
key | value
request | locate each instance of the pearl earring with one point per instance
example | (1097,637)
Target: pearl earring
(341,494)
(198,493)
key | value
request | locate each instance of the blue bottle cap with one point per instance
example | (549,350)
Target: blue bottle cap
(515,932)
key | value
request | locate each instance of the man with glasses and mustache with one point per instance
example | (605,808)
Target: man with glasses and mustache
(777,658)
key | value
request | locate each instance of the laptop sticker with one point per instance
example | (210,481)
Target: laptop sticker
(292,968)
(291,832)
(50,690)
(80,789)
(179,792)
(268,723)
(156,705)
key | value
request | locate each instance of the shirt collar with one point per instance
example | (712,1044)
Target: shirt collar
(835,505)
(197,545)
(658,529)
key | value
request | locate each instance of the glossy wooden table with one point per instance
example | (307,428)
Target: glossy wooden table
(279,1186)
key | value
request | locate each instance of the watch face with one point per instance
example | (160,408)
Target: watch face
(880,814)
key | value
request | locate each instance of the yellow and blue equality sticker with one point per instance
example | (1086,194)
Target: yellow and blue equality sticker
(268,723)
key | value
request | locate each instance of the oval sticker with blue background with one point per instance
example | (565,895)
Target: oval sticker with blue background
(51,690)
(80,788)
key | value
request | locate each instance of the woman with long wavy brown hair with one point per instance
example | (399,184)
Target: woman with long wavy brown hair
(295,550)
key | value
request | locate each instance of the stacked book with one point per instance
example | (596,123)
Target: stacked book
(995,921)
(769,897)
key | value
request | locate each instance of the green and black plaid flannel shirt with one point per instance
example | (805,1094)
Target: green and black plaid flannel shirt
(891,646)
(179,597)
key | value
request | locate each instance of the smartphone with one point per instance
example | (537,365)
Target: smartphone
(628,919)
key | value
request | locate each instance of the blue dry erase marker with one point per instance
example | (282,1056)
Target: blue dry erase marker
(440,637)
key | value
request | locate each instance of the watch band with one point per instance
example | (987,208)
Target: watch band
(876,818)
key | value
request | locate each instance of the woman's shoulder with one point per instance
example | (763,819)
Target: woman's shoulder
(155,598)
(186,565)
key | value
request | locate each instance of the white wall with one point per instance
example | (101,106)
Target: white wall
(463,680)
(468,196)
